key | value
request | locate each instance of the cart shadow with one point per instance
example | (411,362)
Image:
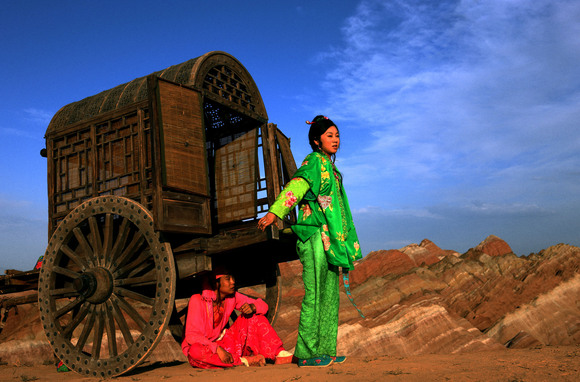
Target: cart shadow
(150,367)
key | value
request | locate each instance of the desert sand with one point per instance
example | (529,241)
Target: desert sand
(432,315)
(545,363)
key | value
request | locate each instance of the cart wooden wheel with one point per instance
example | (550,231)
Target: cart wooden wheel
(106,288)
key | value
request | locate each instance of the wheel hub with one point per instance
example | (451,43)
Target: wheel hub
(95,285)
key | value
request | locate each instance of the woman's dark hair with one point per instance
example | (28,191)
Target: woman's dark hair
(318,126)
(210,280)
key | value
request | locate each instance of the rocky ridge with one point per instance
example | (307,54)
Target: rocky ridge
(422,299)
(419,299)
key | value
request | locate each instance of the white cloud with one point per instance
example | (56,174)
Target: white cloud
(12,132)
(461,89)
(28,123)
(41,117)
(467,119)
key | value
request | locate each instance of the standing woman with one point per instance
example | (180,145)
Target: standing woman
(327,240)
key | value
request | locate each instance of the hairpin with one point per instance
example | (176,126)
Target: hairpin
(310,123)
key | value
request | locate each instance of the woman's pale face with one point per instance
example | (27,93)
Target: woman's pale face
(329,141)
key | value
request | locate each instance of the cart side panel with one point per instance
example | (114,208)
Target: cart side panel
(185,200)
(287,157)
(183,139)
(288,165)
(108,155)
(236,178)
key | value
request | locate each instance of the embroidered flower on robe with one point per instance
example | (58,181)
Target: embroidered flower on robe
(290,199)
(325,240)
(324,174)
(325,201)
(314,185)
(306,211)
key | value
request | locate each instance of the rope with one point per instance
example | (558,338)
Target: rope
(348,294)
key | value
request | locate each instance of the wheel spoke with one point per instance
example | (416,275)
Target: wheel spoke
(64,292)
(83,244)
(124,230)
(131,249)
(147,278)
(111,333)
(68,307)
(77,319)
(134,295)
(144,268)
(121,321)
(86,329)
(139,261)
(66,272)
(73,256)
(98,333)
(108,236)
(95,236)
(132,313)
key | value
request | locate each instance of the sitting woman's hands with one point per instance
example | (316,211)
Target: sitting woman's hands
(248,309)
(225,357)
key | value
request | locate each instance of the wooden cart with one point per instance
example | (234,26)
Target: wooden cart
(151,184)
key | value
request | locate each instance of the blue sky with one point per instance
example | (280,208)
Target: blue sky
(459,119)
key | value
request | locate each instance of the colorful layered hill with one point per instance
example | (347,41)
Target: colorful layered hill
(418,299)
(422,299)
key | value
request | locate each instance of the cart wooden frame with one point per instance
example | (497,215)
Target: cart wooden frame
(151,184)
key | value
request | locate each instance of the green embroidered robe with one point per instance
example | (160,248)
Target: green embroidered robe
(317,188)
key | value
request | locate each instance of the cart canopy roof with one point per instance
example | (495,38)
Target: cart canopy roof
(219,76)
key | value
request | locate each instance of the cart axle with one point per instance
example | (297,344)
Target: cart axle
(95,285)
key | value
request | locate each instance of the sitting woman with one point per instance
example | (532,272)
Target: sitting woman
(249,341)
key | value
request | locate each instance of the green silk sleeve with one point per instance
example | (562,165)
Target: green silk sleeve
(315,173)
(290,196)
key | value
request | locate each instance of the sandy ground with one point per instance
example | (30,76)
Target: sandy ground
(559,363)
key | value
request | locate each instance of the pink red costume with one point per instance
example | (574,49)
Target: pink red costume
(247,336)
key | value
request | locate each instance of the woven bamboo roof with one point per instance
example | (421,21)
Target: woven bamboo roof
(218,75)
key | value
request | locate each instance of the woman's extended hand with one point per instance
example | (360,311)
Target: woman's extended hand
(224,355)
(267,220)
(248,309)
